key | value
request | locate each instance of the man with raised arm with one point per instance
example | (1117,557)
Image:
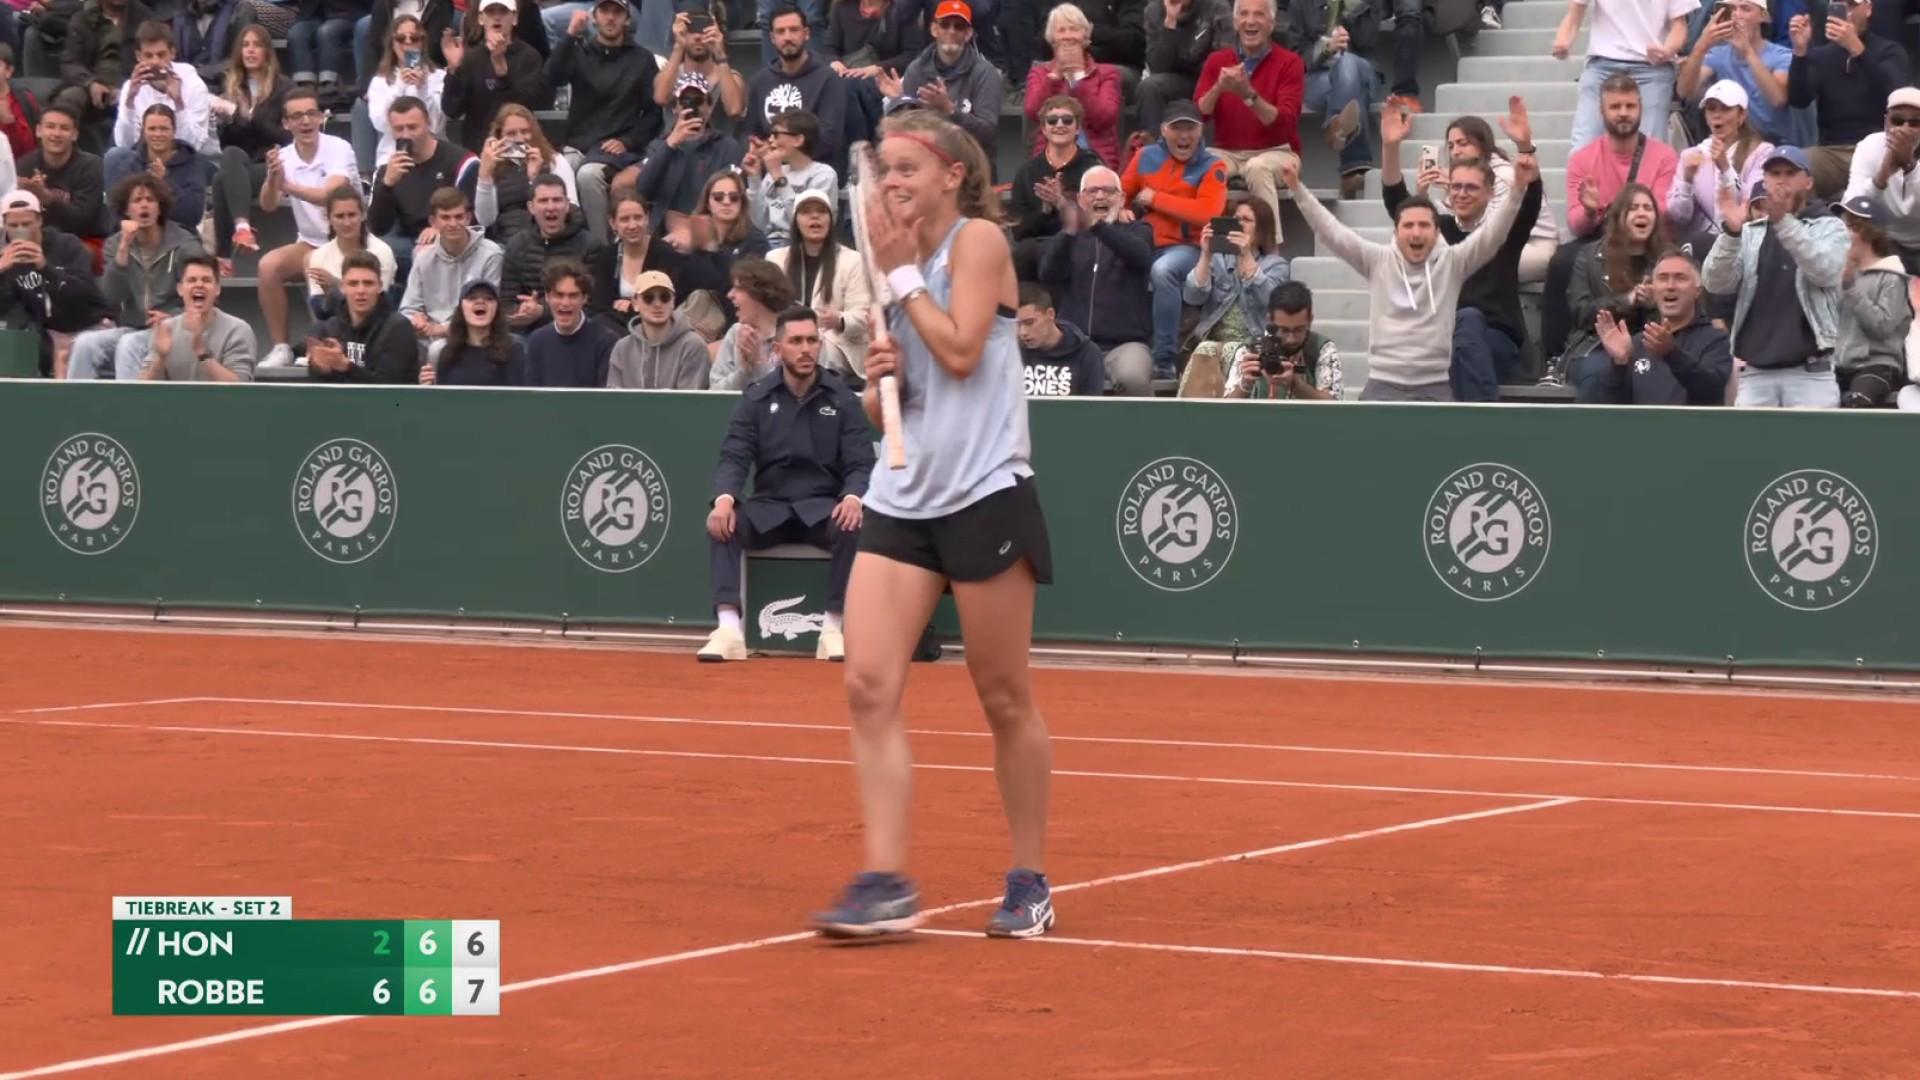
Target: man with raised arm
(1414,283)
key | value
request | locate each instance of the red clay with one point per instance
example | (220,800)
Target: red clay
(590,858)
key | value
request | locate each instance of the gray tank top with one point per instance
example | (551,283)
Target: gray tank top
(965,438)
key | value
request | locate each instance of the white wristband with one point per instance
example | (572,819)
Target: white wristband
(905,280)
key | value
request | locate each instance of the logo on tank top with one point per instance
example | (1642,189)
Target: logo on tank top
(345,500)
(615,508)
(1487,531)
(1811,539)
(1177,523)
(90,493)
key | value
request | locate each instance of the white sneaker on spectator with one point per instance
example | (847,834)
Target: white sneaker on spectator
(724,644)
(280,355)
(1489,19)
(833,646)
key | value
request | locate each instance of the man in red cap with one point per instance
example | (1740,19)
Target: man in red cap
(952,78)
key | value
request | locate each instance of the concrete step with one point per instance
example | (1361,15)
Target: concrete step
(1341,304)
(1431,127)
(1353,374)
(1554,179)
(1487,100)
(1363,214)
(1531,15)
(1524,42)
(1324,271)
(1506,69)
(1352,336)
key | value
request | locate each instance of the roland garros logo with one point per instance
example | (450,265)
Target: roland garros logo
(1811,539)
(1177,523)
(344,500)
(1487,532)
(615,508)
(90,493)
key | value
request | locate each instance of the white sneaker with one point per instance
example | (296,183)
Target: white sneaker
(1489,19)
(723,644)
(278,356)
(833,646)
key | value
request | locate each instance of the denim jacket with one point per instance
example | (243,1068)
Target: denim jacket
(1224,287)
(1818,242)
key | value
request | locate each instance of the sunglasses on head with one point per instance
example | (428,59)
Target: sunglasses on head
(656,296)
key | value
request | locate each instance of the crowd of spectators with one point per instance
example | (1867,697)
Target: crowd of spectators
(653,230)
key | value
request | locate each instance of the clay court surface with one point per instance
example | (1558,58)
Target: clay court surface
(1315,877)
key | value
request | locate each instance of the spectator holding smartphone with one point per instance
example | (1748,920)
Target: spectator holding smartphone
(515,155)
(157,80)
(1847,79)
(421,165)
(679,163)
(1238,270)
(366,341)
(700,48)
(405,69)
(47,283)
(99,55)
(1732,49)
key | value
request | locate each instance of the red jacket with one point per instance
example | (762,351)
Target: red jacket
(1186,194)
(20,134)
(1280,78)
(1099,96)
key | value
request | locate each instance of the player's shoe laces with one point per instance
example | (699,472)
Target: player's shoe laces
(1028,909)
(873,905)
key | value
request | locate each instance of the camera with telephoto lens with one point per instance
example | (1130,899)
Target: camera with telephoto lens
(1272,352)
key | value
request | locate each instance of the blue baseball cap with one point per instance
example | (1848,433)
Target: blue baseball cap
(1792,155)
(1866,208)
(479,285)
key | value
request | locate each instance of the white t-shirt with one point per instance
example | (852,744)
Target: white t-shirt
(1625,29)
(332,157)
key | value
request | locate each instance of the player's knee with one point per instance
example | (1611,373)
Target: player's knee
(873,695)
(1006,703)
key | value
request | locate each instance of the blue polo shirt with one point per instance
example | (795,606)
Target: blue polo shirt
(1776,124)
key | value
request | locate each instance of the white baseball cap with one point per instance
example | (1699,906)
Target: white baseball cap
(19,200)
(1905,97)
(1726,92)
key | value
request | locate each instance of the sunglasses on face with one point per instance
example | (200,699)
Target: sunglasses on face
(1060,120)
(656,296)
(725,197)
(1904,121)
(409,39)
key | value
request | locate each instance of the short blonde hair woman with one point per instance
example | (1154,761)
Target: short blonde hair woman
(1075,73)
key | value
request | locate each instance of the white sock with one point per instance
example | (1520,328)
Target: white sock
(729,619)
(833,621)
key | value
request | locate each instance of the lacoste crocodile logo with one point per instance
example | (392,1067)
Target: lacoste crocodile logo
(776,619)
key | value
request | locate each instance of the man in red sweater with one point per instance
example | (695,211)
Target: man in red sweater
(1176,186)
(1253,93)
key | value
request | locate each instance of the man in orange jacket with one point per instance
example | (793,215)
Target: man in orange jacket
(1177,185)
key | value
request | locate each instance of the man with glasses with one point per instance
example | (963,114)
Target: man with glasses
(1046,181)
(662,350)
(1489,330)
(302,172)
(1884,170)
(952,78)
(1099,267)
(1848,78)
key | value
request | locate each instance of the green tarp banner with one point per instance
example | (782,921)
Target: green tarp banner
(1551,531)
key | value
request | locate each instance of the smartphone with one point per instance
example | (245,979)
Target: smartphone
(20,233)
(1223,229)
(403,146)
(413,58)
(1837,9)
(514,151)
(699,22)
(1429,158)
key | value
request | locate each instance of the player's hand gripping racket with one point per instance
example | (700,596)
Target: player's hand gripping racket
(867,186)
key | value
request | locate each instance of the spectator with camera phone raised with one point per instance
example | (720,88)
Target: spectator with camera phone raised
(1847,79)
(47,284)
(1677,358)
(611,114)
(1289,361)
(366,341)
(157,80)
(700,48)
(1240,265)
(202,343)
(516,154)
(500,70)
(1731,48)
(406,68)
(678,163)
(422,164)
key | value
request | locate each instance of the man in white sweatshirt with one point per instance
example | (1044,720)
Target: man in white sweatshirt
(1414,283)
(1886,169)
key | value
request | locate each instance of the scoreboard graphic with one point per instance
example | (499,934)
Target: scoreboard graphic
(248,956)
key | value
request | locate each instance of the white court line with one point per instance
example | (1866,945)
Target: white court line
(760,943)
(113,705)
(1101,739)
(1442,965)
(778,759)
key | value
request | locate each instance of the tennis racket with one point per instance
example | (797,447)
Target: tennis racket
(866,181)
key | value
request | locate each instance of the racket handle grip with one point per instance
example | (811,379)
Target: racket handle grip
(890,418)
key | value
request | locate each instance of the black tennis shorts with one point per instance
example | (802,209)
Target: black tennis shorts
(975,543)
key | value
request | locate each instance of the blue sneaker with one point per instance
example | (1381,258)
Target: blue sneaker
(1028,909)
(873,905)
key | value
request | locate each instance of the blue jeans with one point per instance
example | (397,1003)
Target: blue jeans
(1483,357)
(320,46)
(1409,33)
(1656,98)
(121,350)
(814,10)
(1349,78)
(1170,268)
(1787,388)
(366,51)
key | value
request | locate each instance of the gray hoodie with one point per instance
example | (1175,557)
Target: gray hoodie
(229,340)
(678,362)
(974,85)
(148,280)
(433,285)
(731,371)
(1875,314)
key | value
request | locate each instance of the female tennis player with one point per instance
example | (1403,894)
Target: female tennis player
(963,513)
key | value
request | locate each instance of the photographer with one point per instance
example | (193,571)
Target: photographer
(1290,361)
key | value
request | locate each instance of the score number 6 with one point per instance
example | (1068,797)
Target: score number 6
(383,995)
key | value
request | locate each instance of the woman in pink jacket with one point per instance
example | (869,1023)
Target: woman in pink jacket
(1073,71)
